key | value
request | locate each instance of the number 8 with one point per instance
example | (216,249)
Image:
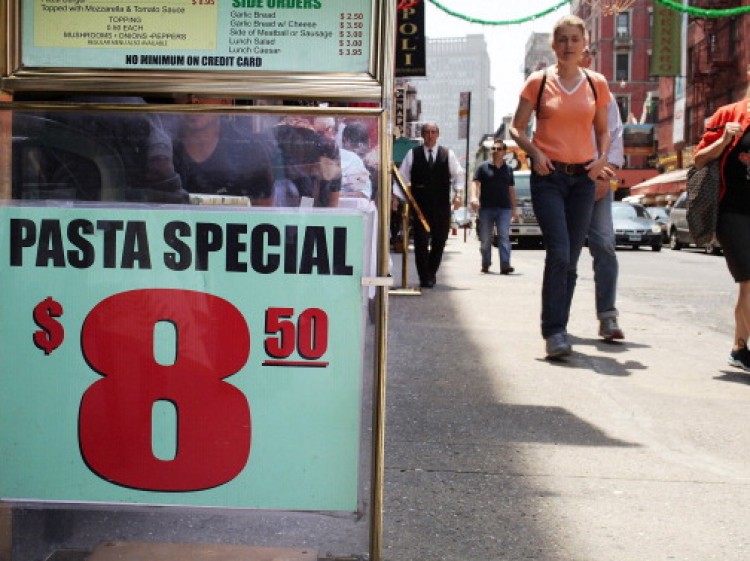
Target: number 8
(213,417)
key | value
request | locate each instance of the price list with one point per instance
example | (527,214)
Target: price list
(243,35)
(351,33)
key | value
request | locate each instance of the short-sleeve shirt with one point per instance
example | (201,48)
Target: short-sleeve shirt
(737,177)
(240,165)
(495,185)
(563,125)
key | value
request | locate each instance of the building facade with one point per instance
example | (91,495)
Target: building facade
(716,66)
(539,53)
(455,65)
(621,47)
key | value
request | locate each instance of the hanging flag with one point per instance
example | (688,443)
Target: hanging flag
(666,57)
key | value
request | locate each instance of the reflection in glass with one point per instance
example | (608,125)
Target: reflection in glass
(210,156)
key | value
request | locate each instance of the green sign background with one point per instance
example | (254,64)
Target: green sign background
(305,421)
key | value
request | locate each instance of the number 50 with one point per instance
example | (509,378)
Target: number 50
(309,336)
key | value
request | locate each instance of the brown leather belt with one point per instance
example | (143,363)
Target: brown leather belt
(571,169)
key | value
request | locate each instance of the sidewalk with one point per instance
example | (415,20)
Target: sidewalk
(622,452)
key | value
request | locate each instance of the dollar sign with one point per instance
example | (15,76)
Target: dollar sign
(52,333)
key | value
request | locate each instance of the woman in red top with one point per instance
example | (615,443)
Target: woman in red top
(727,137)
(568,102)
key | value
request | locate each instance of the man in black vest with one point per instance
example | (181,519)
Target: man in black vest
(435,175)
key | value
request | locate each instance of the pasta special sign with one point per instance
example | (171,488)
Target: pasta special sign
(162,357)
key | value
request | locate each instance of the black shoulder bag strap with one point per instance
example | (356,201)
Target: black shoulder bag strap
(591,83)
(539,95)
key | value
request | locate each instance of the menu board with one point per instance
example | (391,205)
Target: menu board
(201,35)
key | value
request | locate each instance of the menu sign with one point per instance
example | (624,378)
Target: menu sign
(226,35)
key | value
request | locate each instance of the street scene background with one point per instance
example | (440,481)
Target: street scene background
(624,451)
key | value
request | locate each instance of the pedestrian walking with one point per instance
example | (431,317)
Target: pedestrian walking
(436,179)
(601,237)
(567,102)
(727,138)
(494,196)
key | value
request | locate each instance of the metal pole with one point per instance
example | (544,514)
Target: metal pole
(466,180)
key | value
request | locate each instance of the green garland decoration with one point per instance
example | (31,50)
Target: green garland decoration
(704,12)
(506,22)
(673,4)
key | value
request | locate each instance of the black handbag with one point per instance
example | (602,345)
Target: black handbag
(703,201)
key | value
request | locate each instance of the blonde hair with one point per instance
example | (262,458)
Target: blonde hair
(573,21)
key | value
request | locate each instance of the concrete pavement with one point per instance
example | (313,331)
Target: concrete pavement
(622,452)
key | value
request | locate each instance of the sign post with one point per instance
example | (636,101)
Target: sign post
(464,130)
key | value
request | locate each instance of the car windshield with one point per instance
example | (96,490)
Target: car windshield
(629,211)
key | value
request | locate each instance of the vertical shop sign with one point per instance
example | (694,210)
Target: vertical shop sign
(667,41)
(410,40)
(464,110)
(399,110)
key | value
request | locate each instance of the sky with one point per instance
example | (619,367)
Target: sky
(505,43)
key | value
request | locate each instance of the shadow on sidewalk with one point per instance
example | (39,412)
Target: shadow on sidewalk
(460,484)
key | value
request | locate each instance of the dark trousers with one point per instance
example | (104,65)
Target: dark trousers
(429,246)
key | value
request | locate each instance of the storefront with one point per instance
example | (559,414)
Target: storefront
(195,276)
(661,190)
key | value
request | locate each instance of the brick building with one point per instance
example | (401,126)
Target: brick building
(621,48)
(716,63)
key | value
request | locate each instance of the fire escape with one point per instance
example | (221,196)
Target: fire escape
(713,69)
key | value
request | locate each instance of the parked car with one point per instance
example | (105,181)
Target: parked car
(661,215)
(679,234)
(525,230)
(634,227)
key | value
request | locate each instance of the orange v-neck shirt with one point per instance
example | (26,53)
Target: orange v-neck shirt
(566,118)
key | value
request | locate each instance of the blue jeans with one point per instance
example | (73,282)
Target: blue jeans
(563,205)
(500,219)
(602,249)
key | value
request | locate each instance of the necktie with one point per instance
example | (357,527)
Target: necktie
(430,159)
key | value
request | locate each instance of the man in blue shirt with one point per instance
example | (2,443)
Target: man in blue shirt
(494,194)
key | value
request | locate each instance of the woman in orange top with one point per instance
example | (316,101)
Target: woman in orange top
(568,101)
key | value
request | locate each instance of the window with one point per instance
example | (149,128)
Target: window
(622,24)
(622,66)
(623,103)
(651,22)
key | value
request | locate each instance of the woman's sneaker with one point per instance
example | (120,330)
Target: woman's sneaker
(740,358)
(557,345)
(609,330)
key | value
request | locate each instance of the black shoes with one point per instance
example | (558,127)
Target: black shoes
(428,283)
(485,269)
(506,270)
(740,358)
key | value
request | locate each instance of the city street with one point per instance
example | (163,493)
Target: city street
(633,451)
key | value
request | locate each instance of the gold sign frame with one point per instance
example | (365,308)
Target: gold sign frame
(372,84)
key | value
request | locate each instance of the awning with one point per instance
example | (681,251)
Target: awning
(663,184)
